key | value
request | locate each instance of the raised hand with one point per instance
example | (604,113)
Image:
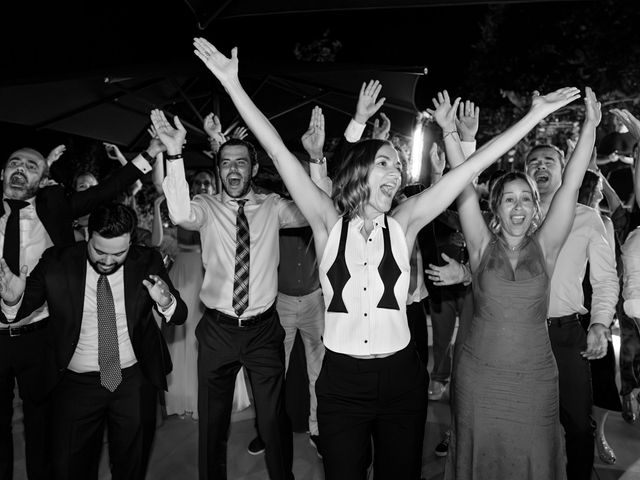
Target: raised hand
(553,101)
(158,291)
(213,128)
(382,128)
(55,154)
(313,138)
(629,121)
(155,144)
(468,121)
(224,68)
(240,133)
(593,108)
(368,103)
(445,113)
(172,137)
(12,285)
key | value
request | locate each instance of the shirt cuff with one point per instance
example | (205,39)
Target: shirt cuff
(141,164)
(169,310)
(176,191)
(354,131)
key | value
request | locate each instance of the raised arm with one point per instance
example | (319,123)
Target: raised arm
(314,204)
(633,125)
(313,143)
(559,219)
(182,211)
(422,208)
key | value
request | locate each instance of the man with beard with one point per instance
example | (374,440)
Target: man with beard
(240,327)
(105,357)
(571,347)
(33,217)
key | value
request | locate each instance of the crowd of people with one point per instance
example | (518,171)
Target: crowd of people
(535,275)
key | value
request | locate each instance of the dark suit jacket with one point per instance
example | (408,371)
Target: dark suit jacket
(59,279)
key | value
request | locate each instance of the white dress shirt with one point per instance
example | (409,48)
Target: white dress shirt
(85,357)
(215,217)
(34,240)
(366,329)
(631,262)
(587,242)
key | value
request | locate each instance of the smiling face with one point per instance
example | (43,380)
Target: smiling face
(85,182)
(106,255)
(516,208)
(544,167)
(202,183)
(384,180)
(236,170)
(23,174)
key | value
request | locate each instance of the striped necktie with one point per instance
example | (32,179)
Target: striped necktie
(241,272)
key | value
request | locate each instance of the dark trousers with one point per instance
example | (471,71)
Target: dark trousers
(384,399)
(451,304)
(81,408)
(222,350)
(20,360)
(417,318)
(568,339)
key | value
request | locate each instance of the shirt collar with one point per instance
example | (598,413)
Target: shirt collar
(358,221)
(30,207)
(250,196)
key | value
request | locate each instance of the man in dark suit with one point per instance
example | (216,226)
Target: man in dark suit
(104,357)
(33,217)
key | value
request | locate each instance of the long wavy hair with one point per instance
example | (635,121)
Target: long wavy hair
(495,197)
(350,185)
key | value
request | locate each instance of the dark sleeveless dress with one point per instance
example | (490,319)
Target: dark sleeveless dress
(505,393)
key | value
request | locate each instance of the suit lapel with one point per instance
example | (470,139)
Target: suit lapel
(133,276)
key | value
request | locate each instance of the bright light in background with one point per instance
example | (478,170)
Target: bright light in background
(416,151)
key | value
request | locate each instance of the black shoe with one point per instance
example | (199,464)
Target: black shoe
(256,446)
(314,440)
(443,447)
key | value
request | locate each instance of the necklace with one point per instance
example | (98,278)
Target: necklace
(514,248)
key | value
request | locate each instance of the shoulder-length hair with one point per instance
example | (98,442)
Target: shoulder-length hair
(495,197)
(350,185)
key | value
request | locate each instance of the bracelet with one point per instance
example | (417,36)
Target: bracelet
(147,156)
(177,156)
(319,161)
(446,134)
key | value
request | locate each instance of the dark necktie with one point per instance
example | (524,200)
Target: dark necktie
(241,272)
(11,249)
(108,350)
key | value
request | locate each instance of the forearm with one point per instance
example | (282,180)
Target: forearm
(613,200)
(579,161)
(157,233)
(176,190)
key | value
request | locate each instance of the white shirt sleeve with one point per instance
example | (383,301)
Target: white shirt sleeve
(168,312)
(602,276)
(631,262)
(182,211)
(354,131)
(142,164)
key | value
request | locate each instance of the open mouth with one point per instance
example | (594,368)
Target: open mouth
(234,181)
(517,219)
(18,180)
(542,177)
(388,189)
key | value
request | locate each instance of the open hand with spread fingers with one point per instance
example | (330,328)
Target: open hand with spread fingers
(172,137)
(158,291)
(368,103)
(224,68)
(553,101)
(445,112)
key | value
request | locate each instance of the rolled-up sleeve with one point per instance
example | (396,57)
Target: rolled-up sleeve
(182,210)
(631,262)
(603,276)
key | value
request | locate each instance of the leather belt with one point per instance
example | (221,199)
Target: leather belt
(244,322)
(562,321)
(24,329)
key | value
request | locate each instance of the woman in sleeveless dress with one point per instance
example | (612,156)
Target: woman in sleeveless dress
(505,395)
(372,384)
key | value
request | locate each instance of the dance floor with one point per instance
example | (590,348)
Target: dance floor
(175,451)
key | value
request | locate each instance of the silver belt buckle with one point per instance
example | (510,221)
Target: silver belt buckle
(240,323)
(11,330)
